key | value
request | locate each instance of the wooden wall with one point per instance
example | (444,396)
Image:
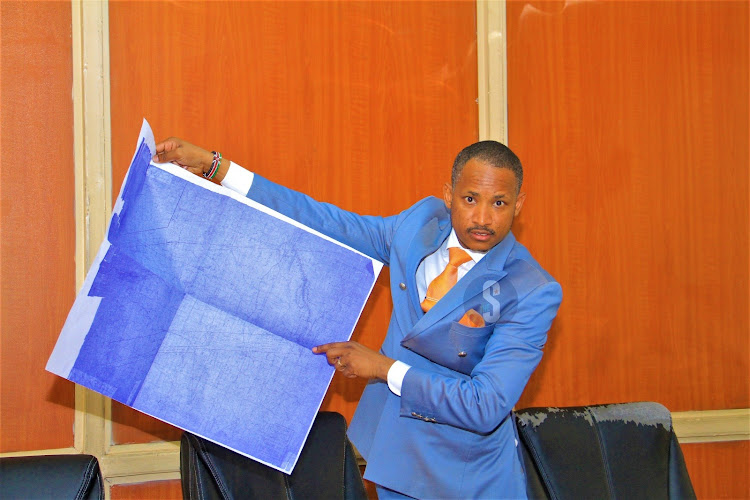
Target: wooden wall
(37,269)
(719,470)
(152,490)
(632,121)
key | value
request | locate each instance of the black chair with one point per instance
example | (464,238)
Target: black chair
(626,450)
(51,476)
(326,469)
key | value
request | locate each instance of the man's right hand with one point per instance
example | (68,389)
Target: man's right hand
(188,156)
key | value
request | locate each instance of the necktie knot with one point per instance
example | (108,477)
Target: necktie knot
(457,256)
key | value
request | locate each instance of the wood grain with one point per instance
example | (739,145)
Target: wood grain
(153,490)
(719,470)
(632,122)
(37,268)
(361,104)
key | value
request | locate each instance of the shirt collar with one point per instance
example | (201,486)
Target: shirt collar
(453,242)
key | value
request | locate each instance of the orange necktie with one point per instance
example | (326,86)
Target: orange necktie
(445,281)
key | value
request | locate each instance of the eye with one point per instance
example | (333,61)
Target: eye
(469,199)
(499,203)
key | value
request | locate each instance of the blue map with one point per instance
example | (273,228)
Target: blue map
(202,309)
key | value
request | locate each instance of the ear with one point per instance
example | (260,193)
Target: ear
(519,202)
(448,194)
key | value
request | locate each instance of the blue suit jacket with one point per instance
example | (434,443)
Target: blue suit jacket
(450,434)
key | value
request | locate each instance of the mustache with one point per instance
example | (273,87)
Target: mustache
(481,228)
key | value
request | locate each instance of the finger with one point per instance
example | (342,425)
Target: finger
(161,146)
(324,348)
(334,358)
(167,150)
(170,143)
(164,146)
(168,155)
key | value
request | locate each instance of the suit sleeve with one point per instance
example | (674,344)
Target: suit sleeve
(481,402)
(371,235)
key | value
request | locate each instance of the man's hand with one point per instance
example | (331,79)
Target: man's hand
(188,156)
(355,360)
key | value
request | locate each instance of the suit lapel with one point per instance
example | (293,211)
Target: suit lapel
(427,240)
(483,275)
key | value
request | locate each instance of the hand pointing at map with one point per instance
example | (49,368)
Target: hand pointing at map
(353,359)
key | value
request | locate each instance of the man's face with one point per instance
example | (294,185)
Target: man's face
(483,204)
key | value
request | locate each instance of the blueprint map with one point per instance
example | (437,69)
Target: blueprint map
(201,310)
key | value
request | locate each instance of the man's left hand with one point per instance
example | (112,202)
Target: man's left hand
(353,359)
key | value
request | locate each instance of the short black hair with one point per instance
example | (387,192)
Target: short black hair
(492,153)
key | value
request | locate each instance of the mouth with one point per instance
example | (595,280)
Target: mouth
(481,234)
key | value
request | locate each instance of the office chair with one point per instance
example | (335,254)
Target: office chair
(326,469)
(51,476)
(626,450)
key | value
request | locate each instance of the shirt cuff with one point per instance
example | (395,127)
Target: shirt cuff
(396,374)
(238,179)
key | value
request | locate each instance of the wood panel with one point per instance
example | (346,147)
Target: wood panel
(719,470)
(363,104)
(153,490)
(632,122)
(37,270)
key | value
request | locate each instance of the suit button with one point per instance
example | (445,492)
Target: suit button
(413,414)
(462,354)
(402,286)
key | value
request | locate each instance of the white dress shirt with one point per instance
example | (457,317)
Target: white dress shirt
(240,180)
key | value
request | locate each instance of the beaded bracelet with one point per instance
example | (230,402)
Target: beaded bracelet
(218,166)
(215,164)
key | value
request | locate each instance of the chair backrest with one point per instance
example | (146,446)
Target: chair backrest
(326,469)
(51,476)
(625,450)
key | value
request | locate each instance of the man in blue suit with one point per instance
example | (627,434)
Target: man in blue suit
(471,311)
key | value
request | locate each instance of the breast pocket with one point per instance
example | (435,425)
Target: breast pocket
(468,344)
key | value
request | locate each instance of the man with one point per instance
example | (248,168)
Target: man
(471,311)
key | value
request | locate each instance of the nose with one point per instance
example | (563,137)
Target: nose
(482,215)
